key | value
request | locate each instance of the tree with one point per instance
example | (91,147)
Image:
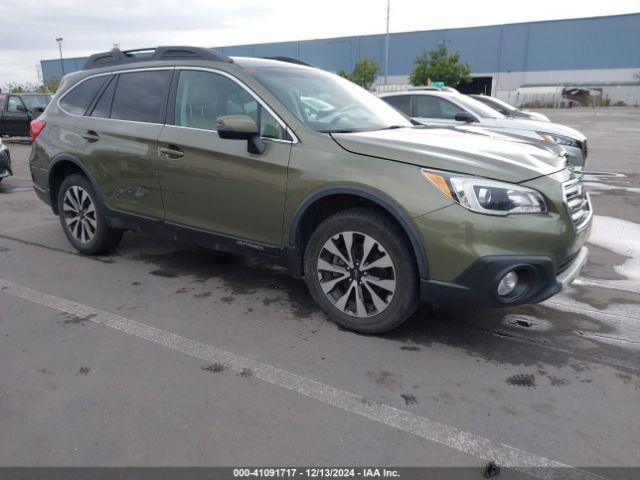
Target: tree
(52,84)
(14,88)
(364,72)
(438,66)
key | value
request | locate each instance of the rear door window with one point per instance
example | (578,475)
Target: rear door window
(79,98)
(141,96)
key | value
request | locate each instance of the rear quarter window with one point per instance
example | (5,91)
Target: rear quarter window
(78,99)
(141,96)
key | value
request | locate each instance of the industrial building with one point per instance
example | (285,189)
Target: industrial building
(599,54)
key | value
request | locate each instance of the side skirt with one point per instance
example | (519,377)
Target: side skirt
(203,238)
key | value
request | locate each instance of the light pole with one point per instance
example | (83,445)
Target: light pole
(59,40)
(386,45)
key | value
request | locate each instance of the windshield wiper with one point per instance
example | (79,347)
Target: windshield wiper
(343,130)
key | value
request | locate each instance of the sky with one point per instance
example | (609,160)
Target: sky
(88,26)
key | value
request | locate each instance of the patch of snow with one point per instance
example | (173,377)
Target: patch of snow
(623,238)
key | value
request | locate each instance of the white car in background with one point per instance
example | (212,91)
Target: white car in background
(446,108)
(509,110)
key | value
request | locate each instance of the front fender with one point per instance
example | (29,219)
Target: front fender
(295,247)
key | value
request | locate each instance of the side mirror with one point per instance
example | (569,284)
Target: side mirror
(241,127)
(464,117)
(21,108)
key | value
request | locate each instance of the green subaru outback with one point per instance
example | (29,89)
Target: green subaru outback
(275,158)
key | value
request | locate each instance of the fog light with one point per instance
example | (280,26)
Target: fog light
(508,283)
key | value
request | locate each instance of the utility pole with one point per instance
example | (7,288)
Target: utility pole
(59,40)
(386,45)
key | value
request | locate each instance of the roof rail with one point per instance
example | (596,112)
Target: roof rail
(430,88)
(119,57)
(289,60)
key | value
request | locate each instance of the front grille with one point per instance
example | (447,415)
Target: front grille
(577,202)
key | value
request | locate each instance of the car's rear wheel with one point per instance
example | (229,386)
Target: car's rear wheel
(360,269)
(82,218)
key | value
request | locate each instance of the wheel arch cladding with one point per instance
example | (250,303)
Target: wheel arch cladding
(327,201)
(62,166)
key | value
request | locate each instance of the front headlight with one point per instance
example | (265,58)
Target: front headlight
(486,196)
(559,139)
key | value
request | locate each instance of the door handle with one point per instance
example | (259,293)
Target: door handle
(90,136)
(172,152)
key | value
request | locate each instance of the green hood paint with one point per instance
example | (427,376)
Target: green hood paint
(444,149)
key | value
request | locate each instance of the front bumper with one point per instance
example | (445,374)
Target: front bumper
(571,271)
(5,162)
(477,285)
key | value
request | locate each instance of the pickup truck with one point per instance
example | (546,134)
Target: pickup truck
(18,109)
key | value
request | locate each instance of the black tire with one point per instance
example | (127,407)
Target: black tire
(104,239)
(383,230)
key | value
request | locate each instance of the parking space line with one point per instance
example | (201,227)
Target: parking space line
(620,285)
(422,427)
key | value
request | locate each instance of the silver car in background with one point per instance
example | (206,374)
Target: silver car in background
(509,110)
(446,108)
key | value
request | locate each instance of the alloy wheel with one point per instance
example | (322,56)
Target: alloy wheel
(80,214)
(357,274)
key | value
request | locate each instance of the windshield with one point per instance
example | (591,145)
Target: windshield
(328,103)
(496,101)
(479,108)
(36,101)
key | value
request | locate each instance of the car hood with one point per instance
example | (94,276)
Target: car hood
(535,116)
(464,152)
(511,137)
(533,125)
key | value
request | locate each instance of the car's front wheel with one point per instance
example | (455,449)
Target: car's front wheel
(82,219)
(360,269)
